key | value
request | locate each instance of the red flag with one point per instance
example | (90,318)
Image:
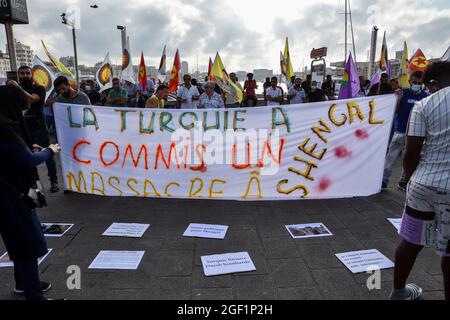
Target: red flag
(210,67)
(142,78)
(174,76)
(418,62)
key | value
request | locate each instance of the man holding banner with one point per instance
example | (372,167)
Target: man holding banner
(35,119)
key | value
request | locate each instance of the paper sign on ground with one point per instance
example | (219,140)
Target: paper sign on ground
(364,261)
(117,260)
(128,230)
(5,262)
(312,230)
(208,231)
(227,264)
(56,230)
(397,223)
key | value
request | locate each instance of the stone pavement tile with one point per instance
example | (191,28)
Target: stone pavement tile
(338,284)
(381,294)
(200,281)
(247,237)
(331,222)
(59,243)
(387,276)
(429,262)
(300,293)
(255,287)
(291,273)
(334,204)
(352,220)
(318,256)
(179,243)
(367,232)
(171,288)
(280,247)
(271,228)
(174,263)
(425,281)
(343,241)
(212,294)
(438,295)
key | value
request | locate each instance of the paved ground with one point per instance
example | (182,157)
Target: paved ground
(171,267)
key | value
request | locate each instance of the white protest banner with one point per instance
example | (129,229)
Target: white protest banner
(333,149)
(208,231)
(227,264)
(364,261)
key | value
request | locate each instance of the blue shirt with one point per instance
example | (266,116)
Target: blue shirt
(406,105)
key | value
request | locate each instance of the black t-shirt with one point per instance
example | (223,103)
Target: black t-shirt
(316,96)
(34,116)
(95,97)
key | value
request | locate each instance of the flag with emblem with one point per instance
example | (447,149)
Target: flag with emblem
(162,67)
(42,76)
(350,85)
(403,77)
(104,74)
(142,78)
(58,64)
(287,60)
(418,62)
(220,76)
(175,74)
(384,60)
(127,64)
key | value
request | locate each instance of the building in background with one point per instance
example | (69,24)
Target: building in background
(5,66)
(261,74)
(68,61)
(24,54)
(184,68)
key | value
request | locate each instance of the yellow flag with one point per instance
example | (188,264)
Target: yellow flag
(220,76)
(58,65)
(403,78)
(287,59)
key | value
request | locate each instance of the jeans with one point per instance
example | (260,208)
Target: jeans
(40,136)
(395,150)
(26,274)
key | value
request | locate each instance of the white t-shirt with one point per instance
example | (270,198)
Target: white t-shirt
(188,93)
(274,93)
(430,119)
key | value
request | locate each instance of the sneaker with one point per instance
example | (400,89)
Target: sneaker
(402,186)
(413,293)
(54,187)
(45,287)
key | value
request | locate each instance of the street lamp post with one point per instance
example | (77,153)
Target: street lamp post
(74,36)
(123,31)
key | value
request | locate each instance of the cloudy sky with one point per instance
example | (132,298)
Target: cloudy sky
(248,33)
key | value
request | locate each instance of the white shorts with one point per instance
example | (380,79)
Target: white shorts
(426,220)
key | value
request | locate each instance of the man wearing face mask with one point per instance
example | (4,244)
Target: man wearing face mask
(94,96)
(67,94)
(406,99)
(315,94)
(35,118)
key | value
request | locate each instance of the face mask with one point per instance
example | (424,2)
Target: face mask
(88,88)
(117,87)
(416,88)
